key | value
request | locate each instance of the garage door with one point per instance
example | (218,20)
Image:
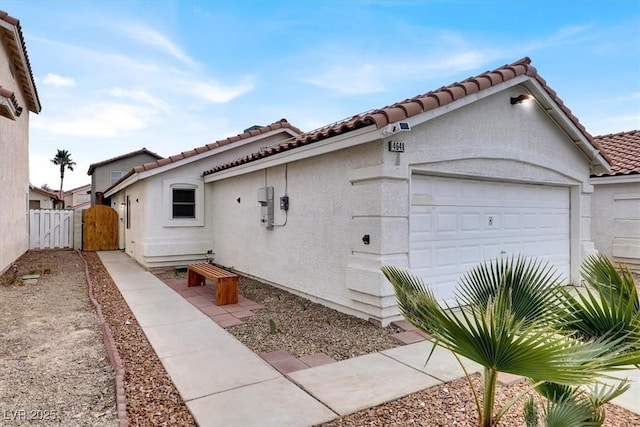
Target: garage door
(456,224)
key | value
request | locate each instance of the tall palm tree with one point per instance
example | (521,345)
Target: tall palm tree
(63,159)
(507,319)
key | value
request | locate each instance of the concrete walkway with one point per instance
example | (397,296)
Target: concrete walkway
(223,383)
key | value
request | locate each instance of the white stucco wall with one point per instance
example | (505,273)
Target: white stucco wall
(154,239)
(14,173)
(307,250)
(45,202)
(338,197)
(616,219)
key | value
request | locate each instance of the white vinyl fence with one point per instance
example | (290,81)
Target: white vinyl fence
(49,228)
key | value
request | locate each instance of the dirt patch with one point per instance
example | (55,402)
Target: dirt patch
(52,357)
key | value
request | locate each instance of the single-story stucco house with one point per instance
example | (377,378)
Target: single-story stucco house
(165,215)
(615,225)
(494,165)
(39,198)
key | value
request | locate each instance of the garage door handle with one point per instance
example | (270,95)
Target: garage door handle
(503,252)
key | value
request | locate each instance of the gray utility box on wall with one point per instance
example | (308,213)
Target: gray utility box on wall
(265,198)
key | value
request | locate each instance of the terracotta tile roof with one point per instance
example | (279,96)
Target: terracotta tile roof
(623,149)
(17,51)
(51,193)
(82,187)
(248,133)
(143,150)
(412,107)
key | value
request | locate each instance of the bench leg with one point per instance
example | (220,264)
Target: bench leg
(227,291)
(195,279)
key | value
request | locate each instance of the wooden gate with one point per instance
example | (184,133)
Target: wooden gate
(100,229)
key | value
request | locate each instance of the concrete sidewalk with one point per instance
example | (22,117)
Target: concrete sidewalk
(223,383)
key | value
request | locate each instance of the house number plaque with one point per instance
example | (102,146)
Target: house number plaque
(396,146)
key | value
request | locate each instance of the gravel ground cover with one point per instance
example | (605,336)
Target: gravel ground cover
(304,327)
(54,369)
(152,399)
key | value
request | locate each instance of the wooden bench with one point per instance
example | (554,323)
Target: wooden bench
(226,282)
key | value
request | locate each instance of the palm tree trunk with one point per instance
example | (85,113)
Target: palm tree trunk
(61,180)
(488,397)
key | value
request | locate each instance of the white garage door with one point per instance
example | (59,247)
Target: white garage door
(456,224)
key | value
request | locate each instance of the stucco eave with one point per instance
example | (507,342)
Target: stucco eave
(124,184)
(616,179)
(350,139)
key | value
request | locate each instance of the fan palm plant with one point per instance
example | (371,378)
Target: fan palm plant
(506,319)
(608,306)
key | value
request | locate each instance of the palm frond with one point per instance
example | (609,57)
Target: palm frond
(570,413)
(491,335)
(533,284)
(599,272)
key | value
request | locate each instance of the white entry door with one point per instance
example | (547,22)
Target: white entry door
(456,224)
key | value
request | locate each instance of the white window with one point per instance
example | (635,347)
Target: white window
(116,175)
(183,202)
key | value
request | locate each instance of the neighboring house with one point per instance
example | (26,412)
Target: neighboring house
(165,215)
(78,198)
(18,97)
(615,207)
(495,165)
(39,198)
(105,173)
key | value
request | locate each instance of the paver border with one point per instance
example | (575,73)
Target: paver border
(112,351)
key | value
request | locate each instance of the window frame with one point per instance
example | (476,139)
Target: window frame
(112,181)
(168,185)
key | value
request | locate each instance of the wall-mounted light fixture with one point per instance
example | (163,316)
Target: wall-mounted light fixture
(520,99)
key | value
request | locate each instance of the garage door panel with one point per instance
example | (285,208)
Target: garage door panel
(420,219)
(467,222)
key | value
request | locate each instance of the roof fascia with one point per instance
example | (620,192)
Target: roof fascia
(138,176)
(597,161)
(124,184)
(615,179)
(25,64)
(338,142)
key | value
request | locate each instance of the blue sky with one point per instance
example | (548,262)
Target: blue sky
(116,76)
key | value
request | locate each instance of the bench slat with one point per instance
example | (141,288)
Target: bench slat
(226,282)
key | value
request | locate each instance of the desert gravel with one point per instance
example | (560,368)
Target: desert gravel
(52,324)
(54,368)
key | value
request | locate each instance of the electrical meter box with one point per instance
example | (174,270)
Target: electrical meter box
(265,198)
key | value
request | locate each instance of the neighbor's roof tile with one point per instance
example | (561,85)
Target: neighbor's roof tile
(623,149)
(254,131)
(412,107)
(143,150)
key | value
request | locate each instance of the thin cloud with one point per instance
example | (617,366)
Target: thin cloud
(216,93)
(140,96)
(58,81)
(564,35)
(98,120)
(372,76)
(153,38)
